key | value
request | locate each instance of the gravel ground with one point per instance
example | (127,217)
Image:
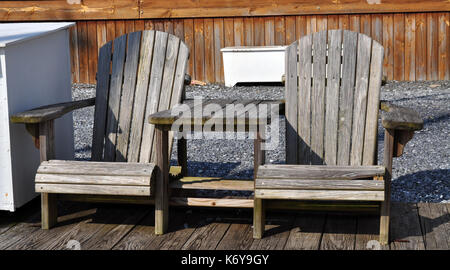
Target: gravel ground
(422,174)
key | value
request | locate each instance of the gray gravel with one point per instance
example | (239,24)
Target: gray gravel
(422,174)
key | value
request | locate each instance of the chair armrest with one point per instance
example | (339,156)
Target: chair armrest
(399,118)
(50,112)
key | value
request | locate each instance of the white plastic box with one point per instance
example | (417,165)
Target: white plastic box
(253,64)
(34,71)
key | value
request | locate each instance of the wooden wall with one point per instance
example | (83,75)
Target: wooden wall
(417,45)
(415,33)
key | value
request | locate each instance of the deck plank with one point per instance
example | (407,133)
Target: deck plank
(277,231)
(339,233)
(99,226)
(28,233)
(181,226)
(368,229)
(306,232)
(406,233)
(435,224)
(207,235)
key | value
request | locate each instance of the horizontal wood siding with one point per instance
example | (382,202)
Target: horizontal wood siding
(150,9)
(416,44)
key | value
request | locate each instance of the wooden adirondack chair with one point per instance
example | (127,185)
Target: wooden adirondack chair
(138,74)
(333,81)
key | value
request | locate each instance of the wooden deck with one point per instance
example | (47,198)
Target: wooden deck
(110,226)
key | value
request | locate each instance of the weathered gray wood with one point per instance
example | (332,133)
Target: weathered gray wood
(318,97)
(306,233)
(385,205)
(50,112)
(178,93)
(93,189)
(332,96)
(101,101)
(263,183)
(318,172)
(406,233)
(373,99)
(349,44)
(93,179)
(277,233)
(238,237)
(215,183)
(259,154)
(162,182)
(292,99)
(154,91)
(206,237)
(127,98)
(338,195)
(173,44)
(259,218)
(115,92)
(304,99)
(400,118)
(368,230)
(95,168)
(435,224)
(143,77)
(339,233)
(243,118)
(49,210)
(360,98)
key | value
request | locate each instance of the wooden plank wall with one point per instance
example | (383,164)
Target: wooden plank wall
(417,45)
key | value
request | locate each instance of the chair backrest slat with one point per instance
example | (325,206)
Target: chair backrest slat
(373,99)
(304,99)
(144,79)
(115,91)
(332,96)
(318,97)
(128,91)
(292,96)
(154,91)
(101,101)
(349,44)
(360,98)
(140,99)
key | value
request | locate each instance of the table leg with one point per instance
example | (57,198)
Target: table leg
(162,181)
(259,155)
(259,211)
(182,155)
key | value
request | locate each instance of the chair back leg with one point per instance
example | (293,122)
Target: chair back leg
(259,218)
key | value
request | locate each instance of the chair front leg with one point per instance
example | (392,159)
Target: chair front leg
(259,218)
(49,209)
(259,211)
(162,180)
(389,138)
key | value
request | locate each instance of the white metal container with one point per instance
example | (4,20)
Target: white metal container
(253,64)
(34,71)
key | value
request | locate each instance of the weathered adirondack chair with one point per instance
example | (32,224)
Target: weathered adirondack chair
(138,74)
(333,81)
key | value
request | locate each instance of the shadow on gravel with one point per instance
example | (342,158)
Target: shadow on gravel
(434,185)
(436,119)
(84,150)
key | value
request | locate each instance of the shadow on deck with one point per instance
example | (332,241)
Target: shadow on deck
(110,226)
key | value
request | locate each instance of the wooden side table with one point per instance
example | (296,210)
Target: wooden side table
(164,122)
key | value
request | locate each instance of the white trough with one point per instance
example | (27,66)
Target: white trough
(34,71)
(253,64)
